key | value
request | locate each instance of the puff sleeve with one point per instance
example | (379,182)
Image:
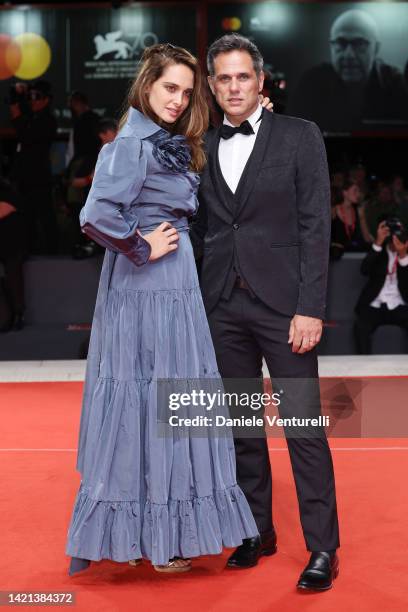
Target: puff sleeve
(108,216)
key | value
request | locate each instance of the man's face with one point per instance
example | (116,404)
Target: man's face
(236,85)
(385,195)
(38,102)
(353,52)
(107,136)
(74,106)
(398,184)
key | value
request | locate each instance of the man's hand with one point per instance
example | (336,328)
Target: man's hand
(15,110)
(81,181)
(400,247)
(163,240)
(304,333)
(382,233)
(266,103)
(21,88)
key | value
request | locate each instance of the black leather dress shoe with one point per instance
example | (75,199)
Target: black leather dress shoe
(319,573)
(251,549)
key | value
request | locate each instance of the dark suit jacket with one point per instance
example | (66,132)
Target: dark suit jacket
(32,165)
(12,230)
(374,265)
(280,224)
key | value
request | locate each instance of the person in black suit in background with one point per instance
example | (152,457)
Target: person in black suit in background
(13,251)
(384,299)
(263,228)
(31,173)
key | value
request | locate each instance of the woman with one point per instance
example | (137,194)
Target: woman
(348,232)
(163,498)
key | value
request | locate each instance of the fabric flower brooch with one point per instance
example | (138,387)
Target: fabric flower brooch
(173,153)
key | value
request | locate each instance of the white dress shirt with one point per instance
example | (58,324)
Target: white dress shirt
(390,294)
(233,153)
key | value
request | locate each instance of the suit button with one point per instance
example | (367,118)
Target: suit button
(235,226)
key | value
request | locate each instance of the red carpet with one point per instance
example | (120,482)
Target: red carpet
(39,487)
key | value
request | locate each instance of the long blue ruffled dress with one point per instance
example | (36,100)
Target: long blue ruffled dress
(142,494)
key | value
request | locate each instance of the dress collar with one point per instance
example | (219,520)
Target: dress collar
(144,126)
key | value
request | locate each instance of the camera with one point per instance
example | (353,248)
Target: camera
(24,93)
(396,228)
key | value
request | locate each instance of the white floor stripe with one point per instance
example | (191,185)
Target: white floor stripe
(339,448)
(46,450)
(354,448)
(369,448)
(329,366)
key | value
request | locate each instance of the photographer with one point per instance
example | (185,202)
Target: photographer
(12,252)
(384,299)
(35,128)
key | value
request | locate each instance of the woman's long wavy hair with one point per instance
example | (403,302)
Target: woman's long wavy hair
(193,123)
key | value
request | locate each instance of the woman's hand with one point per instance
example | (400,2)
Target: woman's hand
(163,240)
(266,103)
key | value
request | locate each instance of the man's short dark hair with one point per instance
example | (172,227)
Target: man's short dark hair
(42,87)
(234,42)
(107,124)
(79,96)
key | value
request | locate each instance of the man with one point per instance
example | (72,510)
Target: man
(85,127)
(384,300)
(380,206)
(357,86)
(80,184)
(264,225)
(82,152)
(12,253)
(107,130)
(36,129)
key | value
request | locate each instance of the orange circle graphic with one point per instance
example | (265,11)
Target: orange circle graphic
(231,23)
(10,56)
(25,56)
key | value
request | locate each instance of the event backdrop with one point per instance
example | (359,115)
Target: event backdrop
(294,39)
(96,50)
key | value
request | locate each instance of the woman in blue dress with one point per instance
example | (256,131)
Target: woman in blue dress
(165,498)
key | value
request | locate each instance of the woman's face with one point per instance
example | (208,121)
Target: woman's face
(353,194)
(338,179)
(170,95)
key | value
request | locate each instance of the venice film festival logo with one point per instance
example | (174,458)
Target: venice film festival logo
(25,56)
(111,44)
(116,57)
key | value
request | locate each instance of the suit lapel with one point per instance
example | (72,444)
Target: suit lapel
(251,170)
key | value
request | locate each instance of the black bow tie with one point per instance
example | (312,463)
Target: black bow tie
(227,131)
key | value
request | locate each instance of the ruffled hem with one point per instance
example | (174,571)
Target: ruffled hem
(122,530)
